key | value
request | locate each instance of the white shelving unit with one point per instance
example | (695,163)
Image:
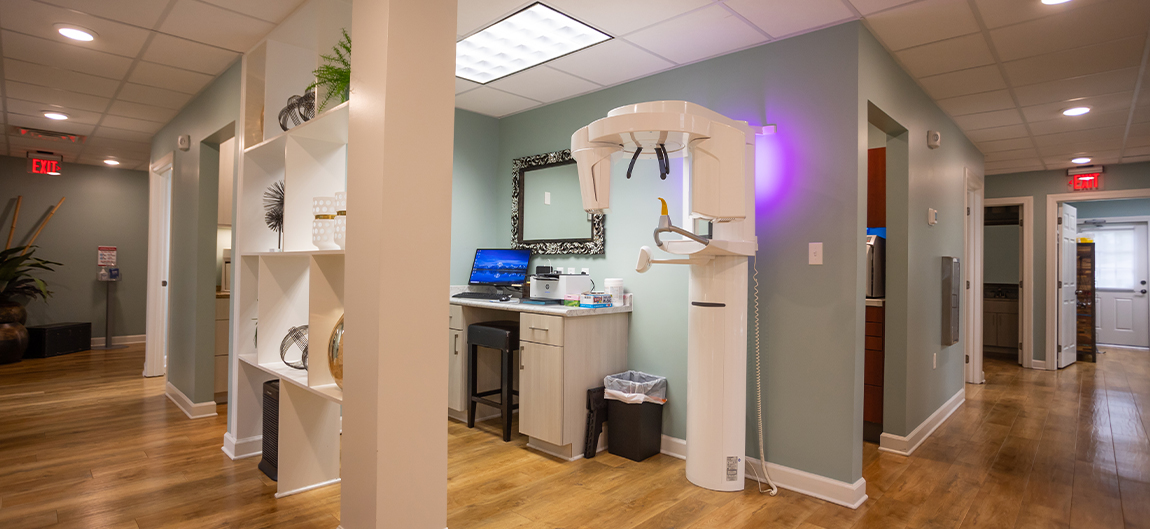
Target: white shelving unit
(296,284)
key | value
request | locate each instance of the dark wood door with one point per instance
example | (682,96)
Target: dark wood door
(876,188)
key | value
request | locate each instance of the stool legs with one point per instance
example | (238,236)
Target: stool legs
(508,379)
(472,378)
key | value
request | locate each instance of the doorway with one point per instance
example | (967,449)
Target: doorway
(1121,253)
(159,230)
(1001,304)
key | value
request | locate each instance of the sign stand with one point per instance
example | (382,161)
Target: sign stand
(109,274)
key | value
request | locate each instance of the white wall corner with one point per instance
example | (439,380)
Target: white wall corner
(243,448)
(674,447)
(120,340)
(850,495)
(194,410)
(906,446)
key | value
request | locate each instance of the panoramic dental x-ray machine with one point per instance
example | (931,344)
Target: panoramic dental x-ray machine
(720,161)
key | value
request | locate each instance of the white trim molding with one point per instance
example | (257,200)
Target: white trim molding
(850,495)
(307,488)
(194,410)
(1026,294)
(907,445)
(242,448)
(120,340)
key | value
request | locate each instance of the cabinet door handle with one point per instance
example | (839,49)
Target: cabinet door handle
(455,344)
(521,358)
(539,328)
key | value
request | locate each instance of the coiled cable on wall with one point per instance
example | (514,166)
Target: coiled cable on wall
(759,394)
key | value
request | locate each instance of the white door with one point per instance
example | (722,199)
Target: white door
(1120,253)
(159,226)
(1067,285)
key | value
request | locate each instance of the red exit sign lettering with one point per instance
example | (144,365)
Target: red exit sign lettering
(38,166)
(1085,182)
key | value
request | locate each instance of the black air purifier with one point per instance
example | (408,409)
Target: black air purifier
(270,462)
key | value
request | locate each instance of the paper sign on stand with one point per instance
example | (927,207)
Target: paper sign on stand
(106,255)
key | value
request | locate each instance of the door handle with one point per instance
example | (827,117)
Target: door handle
(1143,291)
(165,283)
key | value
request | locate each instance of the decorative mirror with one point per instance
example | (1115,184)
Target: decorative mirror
(547,214)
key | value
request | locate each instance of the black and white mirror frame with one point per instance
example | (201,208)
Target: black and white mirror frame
(596,245)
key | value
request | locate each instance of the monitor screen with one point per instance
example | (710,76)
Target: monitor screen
(499,267)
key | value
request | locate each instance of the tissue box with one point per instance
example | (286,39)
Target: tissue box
(595,300)
(571,301)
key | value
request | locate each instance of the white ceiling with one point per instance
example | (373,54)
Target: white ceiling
(1003,69)
(149,59)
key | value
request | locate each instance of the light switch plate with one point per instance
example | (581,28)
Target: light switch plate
(815,253)
(547,198)
(570,270)
(931,216)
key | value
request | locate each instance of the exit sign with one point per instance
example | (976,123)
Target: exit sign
(1085,178)
(38,166)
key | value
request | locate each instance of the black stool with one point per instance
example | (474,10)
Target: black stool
(504,336)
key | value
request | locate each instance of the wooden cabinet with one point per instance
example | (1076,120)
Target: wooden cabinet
(876,188)
(874,368)
(540,397)
(456,370)
(1000,325)
(1087,308)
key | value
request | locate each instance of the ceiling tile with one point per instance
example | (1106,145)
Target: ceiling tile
(160,76)
(1079,148)
(1135,151)
(923,22)
(75,58)
(473,15)
(975,103)
(111,145)
(27,72)
(1006,145)
(274,11)
(34,18)
(946,56)
(714,31)
(867,7)
(543,84)
(1084,86)
(463,85)
(1093,120)
(1141,114)
(1102,104)
(1097,157)
(118,122)
(1140,129)
(1020,154)
(611,62)
(1081,136)
(621,18)
(998,13)
(963,82)
(1011,166)
(145,112)
(126,163)
(997,133)
(150,95)
(492,102)
(120,134)
(40,122)
(174,51)
(50,96)
(211,25)
(30,108)
(1098,58)
(1087,25)
(1137,141)
(987,120)
(143,13)
(789,17)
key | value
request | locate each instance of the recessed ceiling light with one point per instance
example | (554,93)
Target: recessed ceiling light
(58,116)
(1054,2)
(1076,111)
(110,161)
(76,32)
(530,37)
(1080,160)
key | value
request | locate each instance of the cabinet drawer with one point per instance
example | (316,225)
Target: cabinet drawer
(872,404)
(874,329)
(873,368)
(455,317)
(541,329)
(874,314)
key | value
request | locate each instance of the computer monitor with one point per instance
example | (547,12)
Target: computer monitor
(499,267)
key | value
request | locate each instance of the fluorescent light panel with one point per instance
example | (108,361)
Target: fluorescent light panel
(528,38)
(1080,160)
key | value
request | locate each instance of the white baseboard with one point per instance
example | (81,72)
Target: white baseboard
(194,410)
(120,340)
(851,495)
(847,494)
(907,445)
(307,488)
(243,448)
(1038,364)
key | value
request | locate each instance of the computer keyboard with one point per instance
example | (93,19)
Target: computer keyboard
(478,295)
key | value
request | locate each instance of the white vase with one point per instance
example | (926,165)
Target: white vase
(323,206)
(323,234)
(340,231)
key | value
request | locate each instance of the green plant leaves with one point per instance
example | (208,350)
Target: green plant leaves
(334,76)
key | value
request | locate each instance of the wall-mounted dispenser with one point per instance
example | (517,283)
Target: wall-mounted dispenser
(951,293)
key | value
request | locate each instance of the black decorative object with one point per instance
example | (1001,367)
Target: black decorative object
(596,245)
(274,209)
(299,109)
(296,336)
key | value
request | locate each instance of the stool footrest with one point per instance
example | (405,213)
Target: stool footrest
(492,403)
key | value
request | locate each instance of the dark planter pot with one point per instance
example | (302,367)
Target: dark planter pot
(12,312)
(13,342)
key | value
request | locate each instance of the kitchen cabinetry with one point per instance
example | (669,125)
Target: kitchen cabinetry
(874,368)
(1000,326)
(1087,308)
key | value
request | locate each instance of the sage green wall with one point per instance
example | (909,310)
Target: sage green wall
(921,178)
(195,190)
(1101,209)
(1001,251)
(104,207)
(478,211)
(1039,184)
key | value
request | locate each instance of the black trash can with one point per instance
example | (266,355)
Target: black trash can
(635,428)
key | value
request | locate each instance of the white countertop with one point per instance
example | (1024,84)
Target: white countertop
(557,310)
(875,302)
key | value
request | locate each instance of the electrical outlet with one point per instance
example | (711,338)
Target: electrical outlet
(547,198)
(586,271)
(815,253)
(936,360)
(570,270)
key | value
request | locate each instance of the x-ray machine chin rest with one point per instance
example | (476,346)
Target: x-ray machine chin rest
(720,153)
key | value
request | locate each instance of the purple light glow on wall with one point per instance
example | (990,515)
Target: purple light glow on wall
(772,172)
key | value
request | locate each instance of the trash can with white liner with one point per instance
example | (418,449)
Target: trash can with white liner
(634,414)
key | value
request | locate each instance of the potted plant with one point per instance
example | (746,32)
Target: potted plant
(17,287)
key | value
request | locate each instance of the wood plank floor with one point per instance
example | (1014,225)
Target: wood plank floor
(86,442)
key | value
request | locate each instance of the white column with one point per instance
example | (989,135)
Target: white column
(394,460)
